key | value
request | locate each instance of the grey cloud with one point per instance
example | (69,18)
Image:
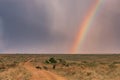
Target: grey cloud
(52,25)
(19,27)
(104,33)
(42,22)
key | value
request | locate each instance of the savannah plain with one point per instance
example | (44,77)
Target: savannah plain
(60,67)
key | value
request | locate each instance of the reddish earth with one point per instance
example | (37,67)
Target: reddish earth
(42,74)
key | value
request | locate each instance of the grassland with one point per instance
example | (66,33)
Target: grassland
(72,67)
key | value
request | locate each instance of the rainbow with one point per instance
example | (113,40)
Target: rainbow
(84,28)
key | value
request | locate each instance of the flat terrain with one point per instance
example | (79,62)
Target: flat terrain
(41,74)
(60,67)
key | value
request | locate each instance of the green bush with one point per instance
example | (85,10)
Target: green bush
(52,60)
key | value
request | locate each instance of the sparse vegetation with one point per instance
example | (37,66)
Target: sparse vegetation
(18,73)
(73,67)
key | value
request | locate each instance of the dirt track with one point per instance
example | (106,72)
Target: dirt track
(42,74)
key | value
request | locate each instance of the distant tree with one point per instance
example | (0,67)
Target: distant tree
(52,60)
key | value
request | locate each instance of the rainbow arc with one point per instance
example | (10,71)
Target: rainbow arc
(85,26)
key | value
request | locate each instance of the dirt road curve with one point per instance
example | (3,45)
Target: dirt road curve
(42,74)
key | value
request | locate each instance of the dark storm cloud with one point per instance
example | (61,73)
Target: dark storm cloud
(45,25)
(52,25)
(20,28)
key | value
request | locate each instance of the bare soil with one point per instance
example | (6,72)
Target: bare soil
(41,74)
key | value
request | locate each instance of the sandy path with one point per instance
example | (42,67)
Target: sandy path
(42,74)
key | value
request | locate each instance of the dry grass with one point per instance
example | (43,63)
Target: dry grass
(18,73)
(81,67)
(91,70)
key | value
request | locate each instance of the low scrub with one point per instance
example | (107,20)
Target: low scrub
(18,73)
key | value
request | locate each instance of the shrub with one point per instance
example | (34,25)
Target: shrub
(52,60)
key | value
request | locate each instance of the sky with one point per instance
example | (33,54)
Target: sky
(50,26)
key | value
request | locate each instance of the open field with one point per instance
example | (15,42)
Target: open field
(59,67)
